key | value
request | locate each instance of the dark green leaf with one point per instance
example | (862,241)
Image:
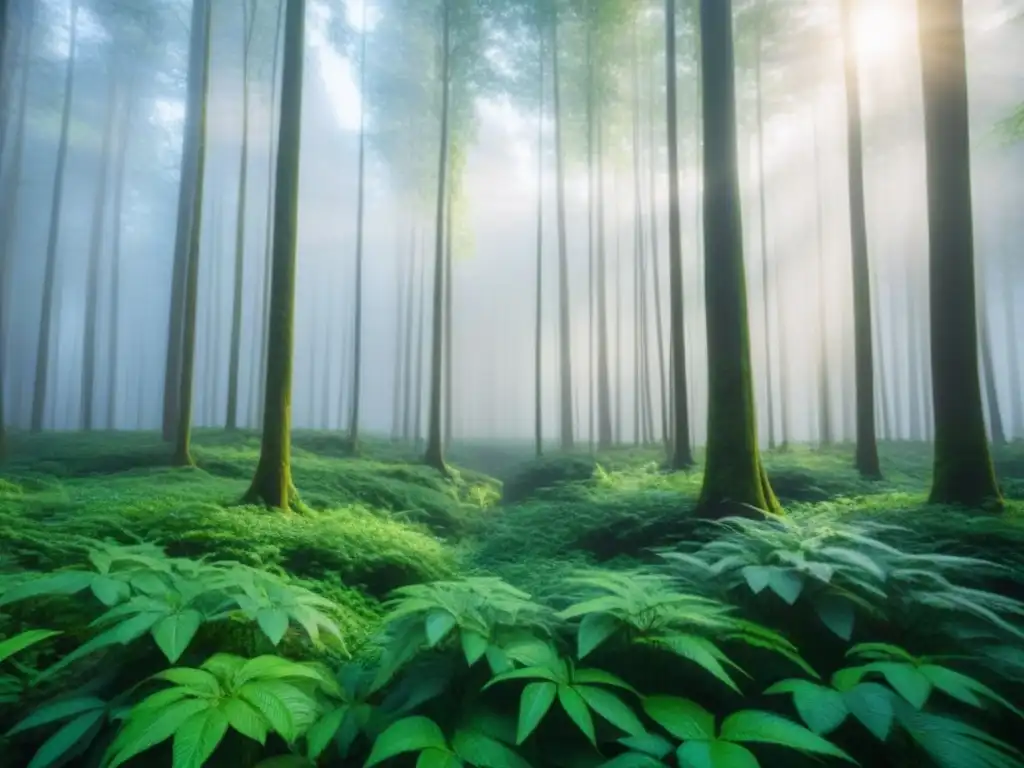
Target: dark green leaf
(174,633)
(534,704)
(70,737)
(474,645)
(574,706)
(649,743)
(320,735)
(836,613)
(764,727)
(413,734)
(62,583)
(594,629)
(58,710)
(611,708)
(482,751)
(715,754)
(439,624)
(682,718)
(871,704)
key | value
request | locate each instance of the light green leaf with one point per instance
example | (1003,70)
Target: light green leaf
(274,668)
(58,710)
(273,622)
(283,706)
(62,583)
(611,708)
(198,737)
(786,583)
(701,652)
(245,719)
(23,640)
(649,743)
(574,706)
(822,709)
(715,754)
(413,734)
(164,698)
(682,718)
(482,751)
(198,680)
(871,704)
(174,633)
(535,702)
(905,679)
(474,645)
(110,591)
(837,614)
(766,728)
(600,677)
(526,673)
(594,629)
(437,758)
(320,735)
(497,660)
(150,727)
(439,623)
(757,577)
(71,736)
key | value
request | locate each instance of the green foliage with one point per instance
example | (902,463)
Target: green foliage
(545,474)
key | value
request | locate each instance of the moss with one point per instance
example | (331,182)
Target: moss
(544,474)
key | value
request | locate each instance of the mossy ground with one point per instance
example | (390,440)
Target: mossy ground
(379,520)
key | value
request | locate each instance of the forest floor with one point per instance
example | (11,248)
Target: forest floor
(379,520)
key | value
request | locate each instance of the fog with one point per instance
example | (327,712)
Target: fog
(137,54)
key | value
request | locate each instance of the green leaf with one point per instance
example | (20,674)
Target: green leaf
(786,583)
(274,668)
(412,734)
(273,622)
(245,719)
(198,680)
(611,708)
(880,652)
(481,750)
(320,735)
(600,677)
(822,709)
(535,702)
(20,642)
(474,645)
(766,728)
(110,591)
(649,743)
(682,718)
(62,583)
(59,710)
(905,679)
(715,754)
(164,698)
(284,706)
(148,728)
(72,736)
(174,633)
(633,760)
(701,652)
(285,761)
(437,758)
(526,673)
(594,629)
(871,704)
(836,613)
(757,577)
(198,737)
(574,706)
(952,743)
(439,624)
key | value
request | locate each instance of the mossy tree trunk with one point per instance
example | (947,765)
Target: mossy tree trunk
(681,456)
(272,483)
(864,377)
(963,471)
(734,473)
(182,456)
(42,368)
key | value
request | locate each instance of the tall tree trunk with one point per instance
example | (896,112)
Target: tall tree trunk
(231,422)
(963,465)
(867,448)
(182,432)
(825,432)
(272,483)
(538,345)
(655,267)
(734,473)
(357,341)
(421,344)
(99,219)
(604,405)
(880,377)
(396,402)
(763,228)
(589,22)
(995,415)
(190,181)
(1016,414)
(410,344)
(447,411)
(564,329)
(619,356)
(434,455)
(679,437)
(42,372)
(914,357)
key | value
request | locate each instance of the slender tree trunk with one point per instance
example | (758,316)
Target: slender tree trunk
(914,358)
(589,22)
(564,328)
(396,404)
(538,409)
(995,415)
(447,410)
(825,433)
(421,344)
(679,437)
(655,267)
(619,352)
(410,345)
(880,377)
(42,372)
(867,448)
(357,341)
(1012,337)
(272,483)
(182,433)
(734,473)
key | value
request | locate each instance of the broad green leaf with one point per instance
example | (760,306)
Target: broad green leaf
(871,704)
(611,708)
(526,673)
(122,634)
(497,660)
(650,744)
(852,557)
(58,710)
(786,583)
(701,652)
(633,760)
(174,633)
(880,652)
(474,645)
(243,718)
(952,743)
(535,702)
(822,709)
(110,591)
(906,680)
(437,758)
(482,751)
(70,737)
(766,728)
(413,734)
(23,640)
(62,583)
(836,613)
(198,737)
(600,677)
(575,706)
(321,733)
(594,629)
(198,680)
(164,698)
(962,687)
(715,754)
(682,718)
(273,622)
(756,577)
(150,727)
(439,623)
(285,708)
(274,668)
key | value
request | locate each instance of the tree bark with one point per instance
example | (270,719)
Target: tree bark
(357,343)
(825,431)
(538,346)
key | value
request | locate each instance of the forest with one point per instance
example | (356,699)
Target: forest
(511,383)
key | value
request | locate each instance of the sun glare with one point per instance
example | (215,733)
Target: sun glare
(881,31)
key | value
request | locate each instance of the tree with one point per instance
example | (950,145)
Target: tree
(867,446)
(963,472)
(734,473)
(681,456)
(272,483)
(357,354)
(538,346)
